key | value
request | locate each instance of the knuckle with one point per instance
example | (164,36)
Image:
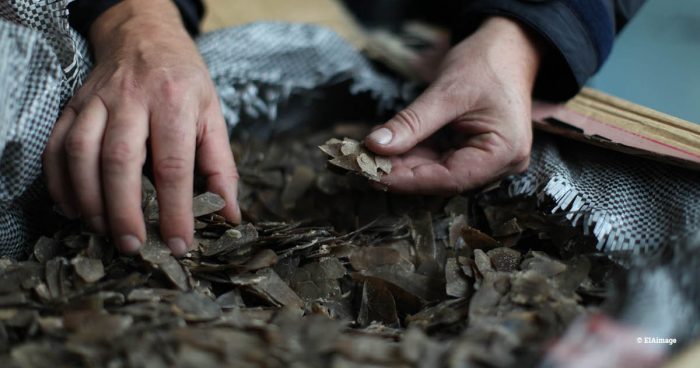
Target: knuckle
(77,146)
(227,175)
(521,155)
(127,87)
(119,154)
(72,107)
(409,120)
(234,176)
(228,178)
(127,220)
(76,102)
(173,92)
(171,168)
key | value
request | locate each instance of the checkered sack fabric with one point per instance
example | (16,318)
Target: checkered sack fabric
(39,58)
(43,61)
(628,204)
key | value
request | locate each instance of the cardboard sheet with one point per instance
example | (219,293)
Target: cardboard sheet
(329,13)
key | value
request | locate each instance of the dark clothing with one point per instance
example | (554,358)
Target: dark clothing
(84,12)
(580,33)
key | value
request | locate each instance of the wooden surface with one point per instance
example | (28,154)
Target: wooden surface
(639,120)
(598,118)
(329,13)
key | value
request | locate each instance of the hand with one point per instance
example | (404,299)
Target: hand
(150,87)
(483,96)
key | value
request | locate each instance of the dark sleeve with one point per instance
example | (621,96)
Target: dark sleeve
(580,34)
(84,12)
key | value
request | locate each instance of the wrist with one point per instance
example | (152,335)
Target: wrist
(514,49)
(132,19)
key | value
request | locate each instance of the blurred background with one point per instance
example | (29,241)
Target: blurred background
(655,62)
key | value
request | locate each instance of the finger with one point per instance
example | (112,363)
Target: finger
(55,166)
(82,145)
(426,115)
(173,141)
(417,156)
(122,159)
(215,161)
(429,178)
(467,168)
(420,176)
(486,158)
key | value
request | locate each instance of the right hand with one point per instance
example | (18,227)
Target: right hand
(482,93)
(151,87)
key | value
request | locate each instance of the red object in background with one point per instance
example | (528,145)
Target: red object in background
(600,342)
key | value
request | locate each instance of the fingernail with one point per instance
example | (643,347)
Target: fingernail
(97,223)
(129,244)
(381,136)
(177,246)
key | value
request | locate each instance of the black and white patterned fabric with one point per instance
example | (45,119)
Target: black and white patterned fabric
(627,204)
(39,69)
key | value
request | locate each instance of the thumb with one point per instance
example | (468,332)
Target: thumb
(426,115)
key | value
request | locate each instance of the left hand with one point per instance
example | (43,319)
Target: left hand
(483,94)
(150,90)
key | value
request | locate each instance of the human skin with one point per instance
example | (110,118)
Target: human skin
(150,92)
(482,94)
